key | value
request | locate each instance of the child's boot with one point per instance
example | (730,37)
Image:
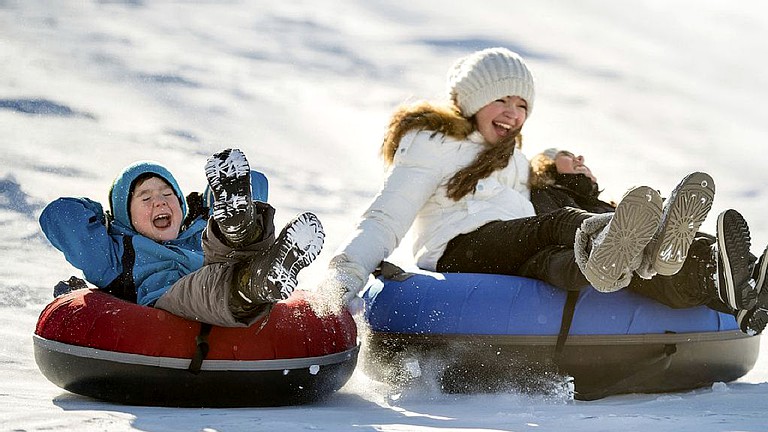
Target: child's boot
(272,277)
(229,177)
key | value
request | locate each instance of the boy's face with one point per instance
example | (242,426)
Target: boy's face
(155,210)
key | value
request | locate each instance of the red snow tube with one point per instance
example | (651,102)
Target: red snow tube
(94,344)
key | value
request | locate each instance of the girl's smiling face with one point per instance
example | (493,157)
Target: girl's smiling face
(155,210)
(501,118)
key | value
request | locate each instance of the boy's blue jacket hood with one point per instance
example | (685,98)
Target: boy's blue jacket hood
(112,254)
(122,186)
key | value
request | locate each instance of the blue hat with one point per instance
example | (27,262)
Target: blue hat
(120,192)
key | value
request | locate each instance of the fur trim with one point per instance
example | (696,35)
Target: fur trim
(583,242)
(542,172)
(443,119)
(591,234)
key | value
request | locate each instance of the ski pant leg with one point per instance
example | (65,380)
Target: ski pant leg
(555,265)
(503,246)
(675,292)
(693,285)
(690,287)
(206,295)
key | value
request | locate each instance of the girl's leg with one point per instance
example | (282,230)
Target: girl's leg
(693,285)
(607,247)
(556,266)
(503,246)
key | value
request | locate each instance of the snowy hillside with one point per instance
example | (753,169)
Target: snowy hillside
(647,91)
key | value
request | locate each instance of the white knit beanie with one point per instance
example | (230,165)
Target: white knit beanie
(551,153)
(484,76)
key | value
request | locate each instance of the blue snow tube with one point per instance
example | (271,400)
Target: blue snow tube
(487,331)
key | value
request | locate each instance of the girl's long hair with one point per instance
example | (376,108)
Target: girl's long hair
(447,120)
(492,158)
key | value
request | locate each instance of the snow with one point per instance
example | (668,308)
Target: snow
(648,91)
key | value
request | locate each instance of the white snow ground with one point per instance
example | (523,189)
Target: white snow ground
(648,90)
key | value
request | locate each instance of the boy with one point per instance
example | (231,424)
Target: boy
(227,271)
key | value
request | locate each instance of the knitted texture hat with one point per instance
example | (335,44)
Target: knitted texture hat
(551,152)
(484,76)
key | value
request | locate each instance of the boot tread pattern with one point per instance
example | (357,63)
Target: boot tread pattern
(297,246)
(733,268)
(630,230)
(228,175)
(757,318)
(685,211)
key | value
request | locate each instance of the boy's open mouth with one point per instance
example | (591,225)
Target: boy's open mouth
(162,221)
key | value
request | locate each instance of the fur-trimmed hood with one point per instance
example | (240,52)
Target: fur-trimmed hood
(444,119)
(425,146)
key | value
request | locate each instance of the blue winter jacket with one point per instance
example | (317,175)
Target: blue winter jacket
(114,256)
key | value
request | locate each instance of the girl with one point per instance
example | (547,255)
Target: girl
(457,176)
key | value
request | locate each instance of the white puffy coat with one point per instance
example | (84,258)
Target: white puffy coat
(414,194)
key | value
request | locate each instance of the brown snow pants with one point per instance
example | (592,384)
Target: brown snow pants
(205,295)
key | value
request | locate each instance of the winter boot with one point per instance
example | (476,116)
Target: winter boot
(695,282)
(229,178)
(609,248)
(272,277)
(753,322)
(736,288)
(684,212)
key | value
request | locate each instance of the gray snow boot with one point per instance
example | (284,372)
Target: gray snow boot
(609,247)
(684,212)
